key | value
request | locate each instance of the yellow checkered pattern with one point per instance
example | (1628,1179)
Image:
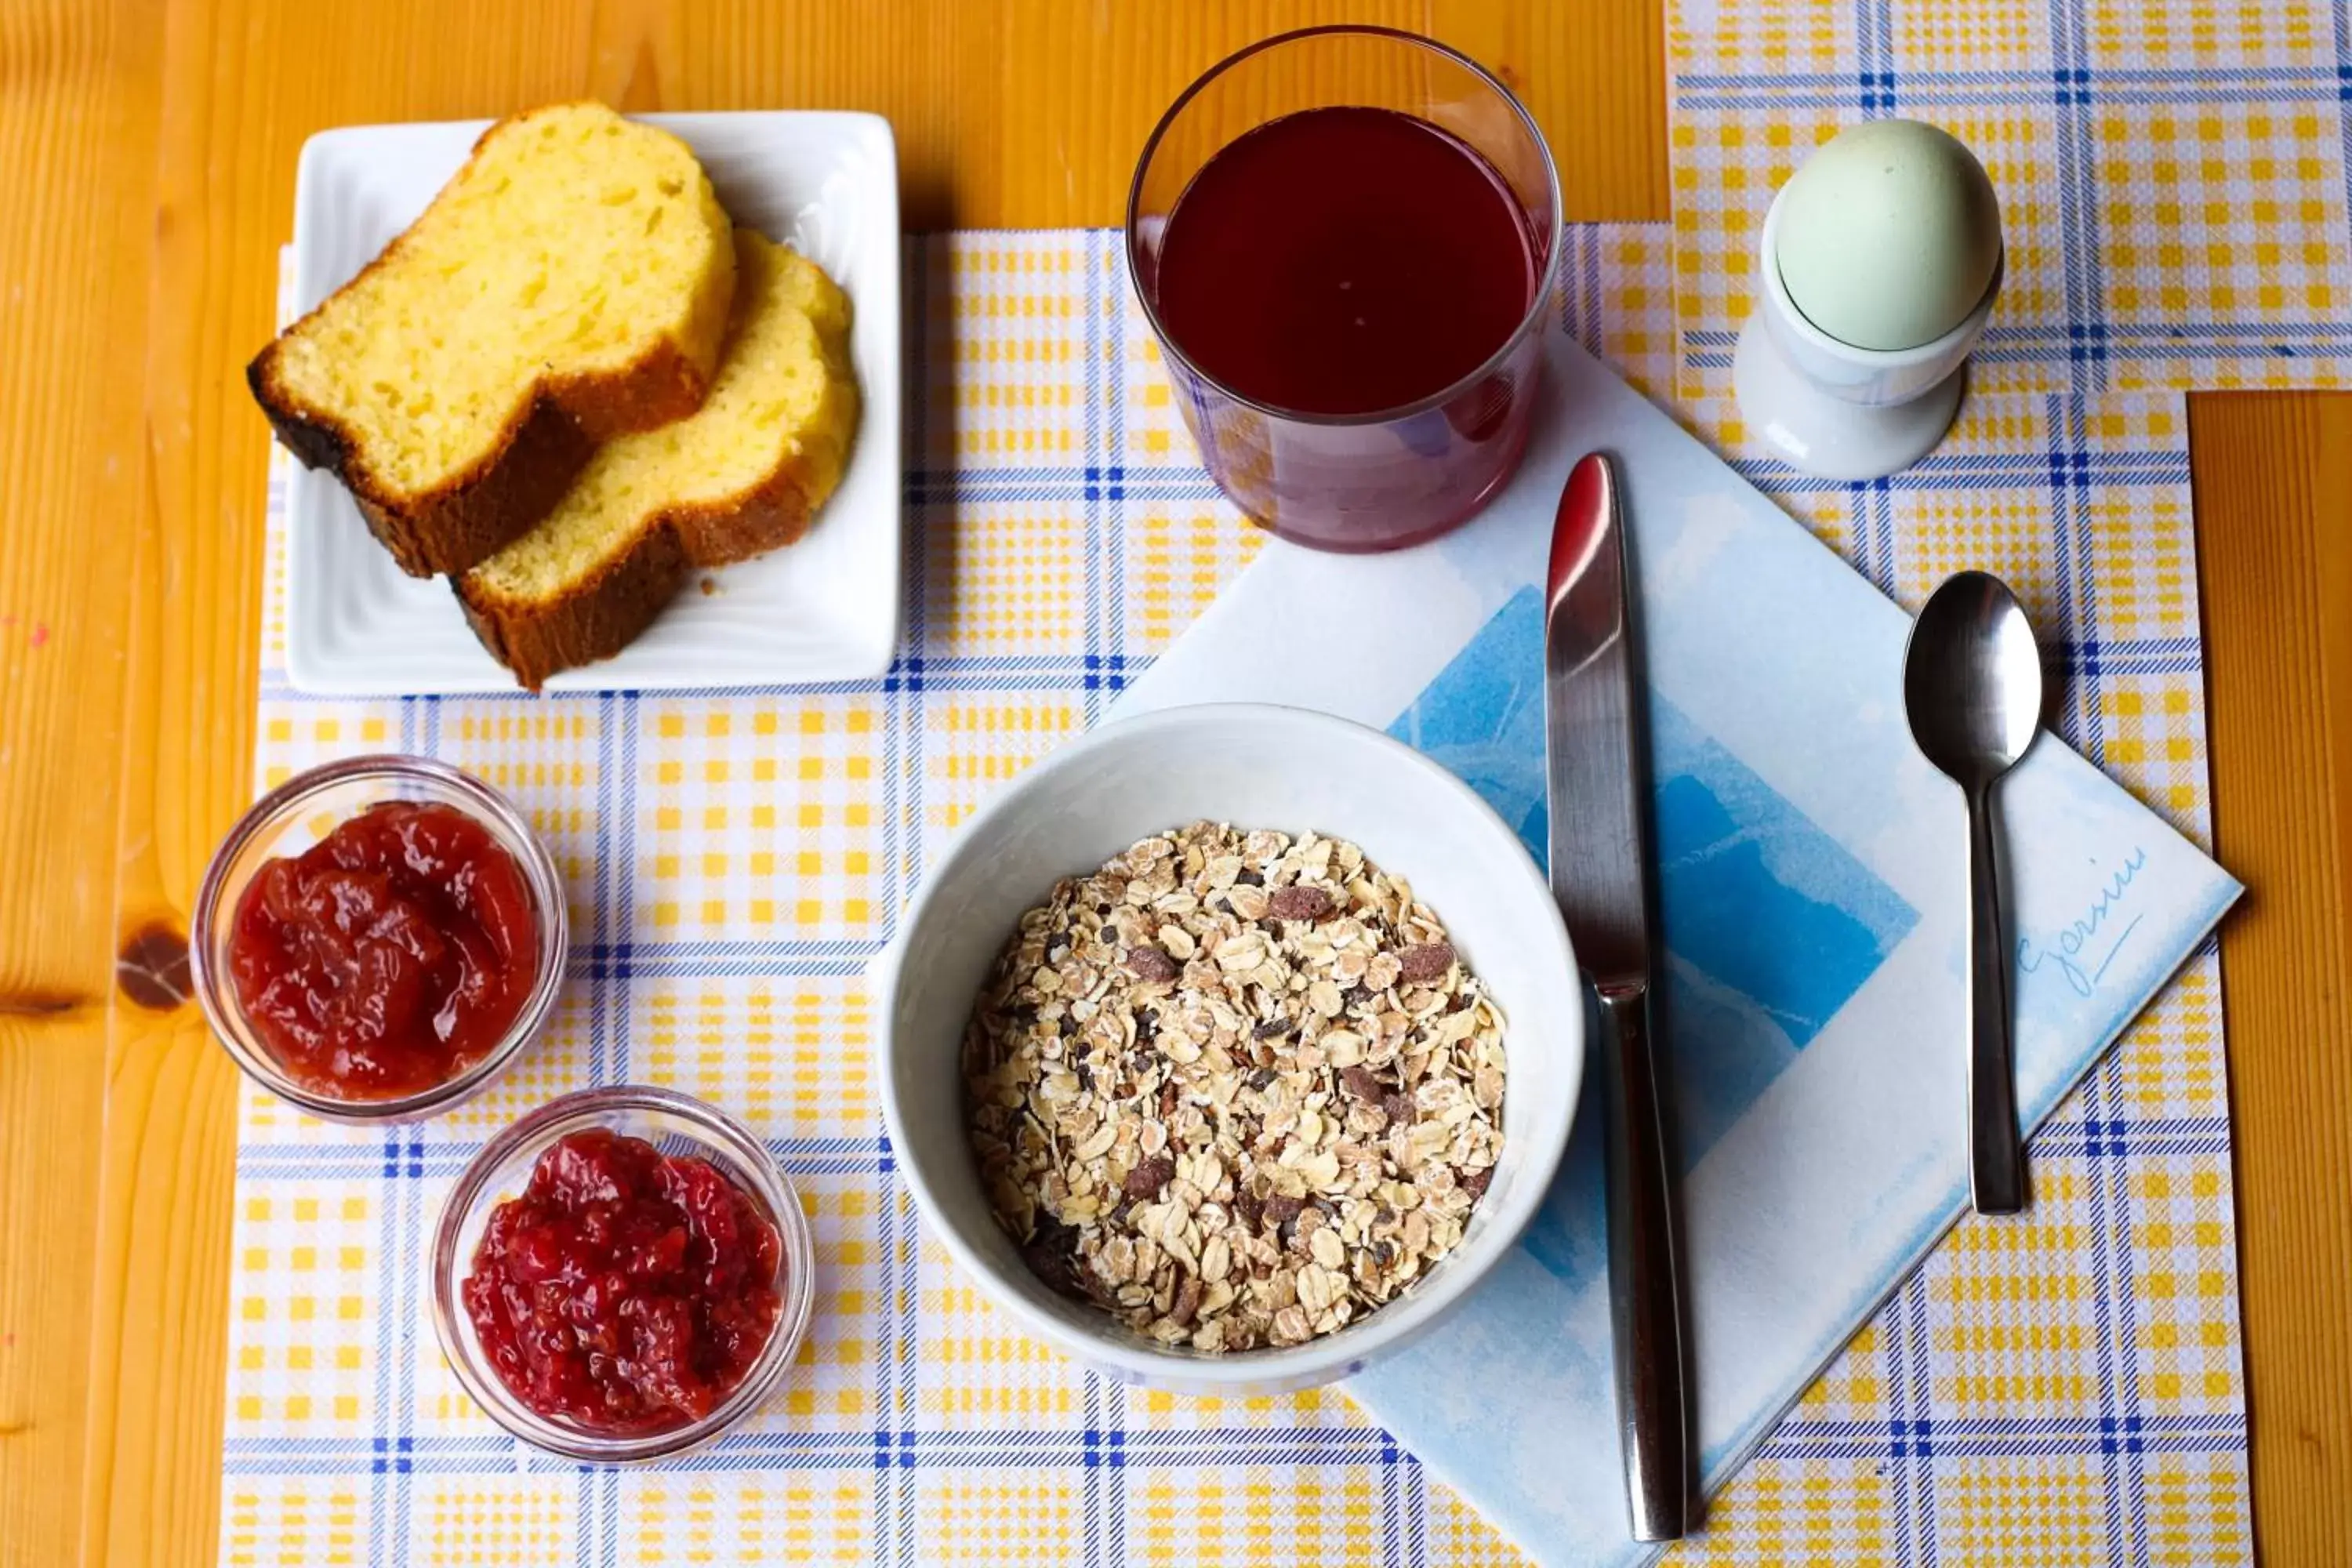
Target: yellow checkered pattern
(2173,192)
(735,847)
(2172,176)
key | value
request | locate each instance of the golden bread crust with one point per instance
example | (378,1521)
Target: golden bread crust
(537,451)
(606,610)
(539,618)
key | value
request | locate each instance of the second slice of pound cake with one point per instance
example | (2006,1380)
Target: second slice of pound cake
(569,284)
(742,477)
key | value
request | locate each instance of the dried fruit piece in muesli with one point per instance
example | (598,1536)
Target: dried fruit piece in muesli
(1236,1088)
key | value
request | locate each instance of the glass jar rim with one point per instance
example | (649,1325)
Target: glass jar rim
(1540,300)
(767,1184)
(486,807)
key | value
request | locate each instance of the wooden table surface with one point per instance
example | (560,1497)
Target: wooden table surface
(151,147)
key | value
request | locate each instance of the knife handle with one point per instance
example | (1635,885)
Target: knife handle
(1643,1300)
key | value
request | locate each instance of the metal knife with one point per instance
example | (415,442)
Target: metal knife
(1597,769)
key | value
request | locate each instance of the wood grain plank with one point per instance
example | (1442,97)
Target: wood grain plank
(51,1097)
(158,1325)
(934,69)
(2274,490)
(77,86)
(1593,79)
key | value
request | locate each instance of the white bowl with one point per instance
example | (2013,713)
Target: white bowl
(1251,766)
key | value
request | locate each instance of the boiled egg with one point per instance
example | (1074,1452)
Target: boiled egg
(1889,235)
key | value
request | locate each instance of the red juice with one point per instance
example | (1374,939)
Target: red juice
(1344,261)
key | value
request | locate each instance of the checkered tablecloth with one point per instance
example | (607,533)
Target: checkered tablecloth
(2062,1390)
(2066,1389)
(2173,182)
(2172,174)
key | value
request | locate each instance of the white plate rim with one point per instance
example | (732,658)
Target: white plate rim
(863,654)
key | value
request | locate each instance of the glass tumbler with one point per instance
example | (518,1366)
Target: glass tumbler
(1392,476)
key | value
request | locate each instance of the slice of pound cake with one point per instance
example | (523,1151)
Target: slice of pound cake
(742,476)
(569,284)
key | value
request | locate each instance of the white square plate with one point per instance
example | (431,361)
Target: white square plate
(824,609)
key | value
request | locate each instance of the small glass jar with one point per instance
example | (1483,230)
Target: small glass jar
(675,1124)
(297,814)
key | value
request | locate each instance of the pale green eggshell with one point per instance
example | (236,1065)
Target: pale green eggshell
(1889,235)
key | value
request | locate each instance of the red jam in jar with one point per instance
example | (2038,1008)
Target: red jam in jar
(389,956)
(627,1291)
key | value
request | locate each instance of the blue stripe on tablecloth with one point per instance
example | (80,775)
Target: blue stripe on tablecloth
(1104,1539)
(2183,78)
(1874,38)
(2109,1338)
(2153,334)
(1710,349)
(1872,89)
(2066,474)
(2078,204)
(2148,336)
(1114,453)
(2122,1279)
(2118,345)
(1595,294)
(906,1304)
(2340,13)
(897,1293)
(599,1001)
(614,1005)
(1391,1509)
(1094,484)
(1416,1507)
(597,1490)
(886,1370)
(412,1265)
(418,1155)
(379,1480)
(1910,1419)
(1148,1447)
(441,1159)
(1092,1535)
(1566,303)
(1930,92)
(1880,496)
(1980,471)
(962,673)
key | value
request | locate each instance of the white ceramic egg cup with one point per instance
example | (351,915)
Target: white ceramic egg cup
(1836,410)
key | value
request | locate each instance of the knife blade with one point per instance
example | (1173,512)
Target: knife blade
(1596,755)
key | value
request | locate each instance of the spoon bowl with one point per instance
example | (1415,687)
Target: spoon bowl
(1972,691)
(1972,680)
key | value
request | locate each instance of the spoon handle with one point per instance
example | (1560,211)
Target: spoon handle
(1996,1156)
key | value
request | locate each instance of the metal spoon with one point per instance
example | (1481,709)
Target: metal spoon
(1972,687)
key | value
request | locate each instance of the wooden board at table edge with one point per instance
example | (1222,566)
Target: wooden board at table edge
(977,151)
(79,137)
(2272,477)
